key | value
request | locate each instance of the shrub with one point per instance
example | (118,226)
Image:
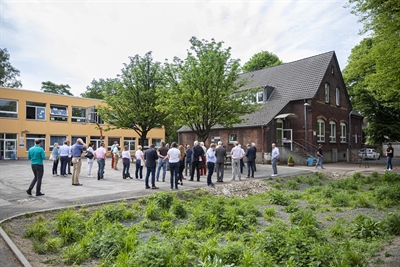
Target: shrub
(163,200)
(70,225)
(392,223)
(270,211)
(114,212)
(291,208)
(153,211)
(388,192)
(74,254)
(338,229)
(303,217)
(293,185)
(279,198)
(366,227)
(340,199)
(179,210)
(37,230)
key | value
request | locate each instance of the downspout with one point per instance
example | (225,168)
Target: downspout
(350,137)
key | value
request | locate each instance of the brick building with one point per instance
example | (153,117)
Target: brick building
(304,103)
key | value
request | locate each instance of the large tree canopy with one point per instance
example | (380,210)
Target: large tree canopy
(383,121)
(8,74)
(381,19)
(203,90)
(61,89)
(99,89)
(261,60)
(133,104)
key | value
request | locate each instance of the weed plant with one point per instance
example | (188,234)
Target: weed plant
(198,229)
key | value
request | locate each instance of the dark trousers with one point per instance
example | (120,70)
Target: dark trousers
(100,171)
(125,170)
(195,166)
(55,166)
(63,168)
(181,168)
(389,163)
(152,171)
(220,171)
(250,167)
(38,175)
(174,170)
(210,167)
(188,167)
(241,165)
(139,169)
(69,164)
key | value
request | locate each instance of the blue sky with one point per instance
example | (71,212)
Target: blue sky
(73,42)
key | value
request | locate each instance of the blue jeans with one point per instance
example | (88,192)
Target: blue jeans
(63,168)
(174,169)
(389,163)
(274,165)
(125,170)
(139,169)
(55,166)
(161,163)
(38,173)
(151,170)
(319,162)
(210,167)
(100,171)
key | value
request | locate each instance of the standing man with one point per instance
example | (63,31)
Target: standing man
(197,157)
(173,159)
(151,157)
(162,161)
(100,155)
(320,157)
(188,163)
(116,156)
(36,156)
(253,145)
(389,156)
(69,163)
(237,154)
(76,151)
(203,171)
(250,160)
(211,160)
(64,158)
(220,153)
(112,154)
(275,157)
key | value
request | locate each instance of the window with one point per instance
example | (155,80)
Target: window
(327,93)
(58,113)
(320,130)
(215,139)
(156,142)
(96,140)
(260,97)
(74,138)
(56,139)
(146,144)
(356,138)
(93,116)
(232,138)
(78,114)
(30,140)
(35,111)
(342,132)
(332,135)
(130,142)
(332,70)
(111,141)
(337,96)
(8,108)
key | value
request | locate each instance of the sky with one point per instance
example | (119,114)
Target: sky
(73,42)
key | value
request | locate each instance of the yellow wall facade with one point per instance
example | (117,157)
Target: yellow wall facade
(22,129)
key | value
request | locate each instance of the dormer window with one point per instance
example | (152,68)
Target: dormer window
(260,97)
(327,93)
(332,70)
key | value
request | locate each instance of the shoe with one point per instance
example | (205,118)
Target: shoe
(232,179)
(176,188)
(69,173)
(141,179)
(252,176)
(29,192)
(123,178)
(247,176)
(147,187)
(157,180)
(240,179)
(191,180)
(90,176)
(322,168)
(130,177)
(171,189)
(77,184)
(54,175)
(274,175)
(154,187)
(39,194)
(163,181)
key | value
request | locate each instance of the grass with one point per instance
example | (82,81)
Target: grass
(303,221)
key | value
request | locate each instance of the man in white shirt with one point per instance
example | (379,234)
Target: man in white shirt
(237,153)
(275,157)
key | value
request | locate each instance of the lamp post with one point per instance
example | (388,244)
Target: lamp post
(305,125)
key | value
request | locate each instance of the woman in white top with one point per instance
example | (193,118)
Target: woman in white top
(126,161)
(173,158)
(139,163)
(90,161)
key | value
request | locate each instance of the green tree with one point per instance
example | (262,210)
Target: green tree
(133,104)
(261,60)
(60,89)
(383,121)
(8,74)
(98,89)
(203,90)
(381,18)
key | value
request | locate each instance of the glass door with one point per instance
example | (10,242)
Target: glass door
(10,149)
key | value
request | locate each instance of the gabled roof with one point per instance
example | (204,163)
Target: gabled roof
(291,81)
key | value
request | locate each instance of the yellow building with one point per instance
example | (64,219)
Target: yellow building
(26,115)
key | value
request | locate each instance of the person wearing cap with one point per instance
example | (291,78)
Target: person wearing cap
(76,151)
(389,156)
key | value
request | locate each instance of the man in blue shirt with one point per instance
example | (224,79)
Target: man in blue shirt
(188,164)
(36,156)
(76,151)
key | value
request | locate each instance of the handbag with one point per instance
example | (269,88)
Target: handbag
(52,157)
(88,155)
(142,162)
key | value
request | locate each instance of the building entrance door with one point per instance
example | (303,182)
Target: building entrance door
(8,146)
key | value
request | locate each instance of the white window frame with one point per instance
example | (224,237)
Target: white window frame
(343,132)
(78,119)
(320,130)
(33,137)
(60,142)
(332,134)
(156,142)
(260,97)
(326,92)
(337,96)
(58,116)
(41,109)
(130,142)
(13,114)
(232,137)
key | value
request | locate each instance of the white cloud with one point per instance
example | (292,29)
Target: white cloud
(72,42)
